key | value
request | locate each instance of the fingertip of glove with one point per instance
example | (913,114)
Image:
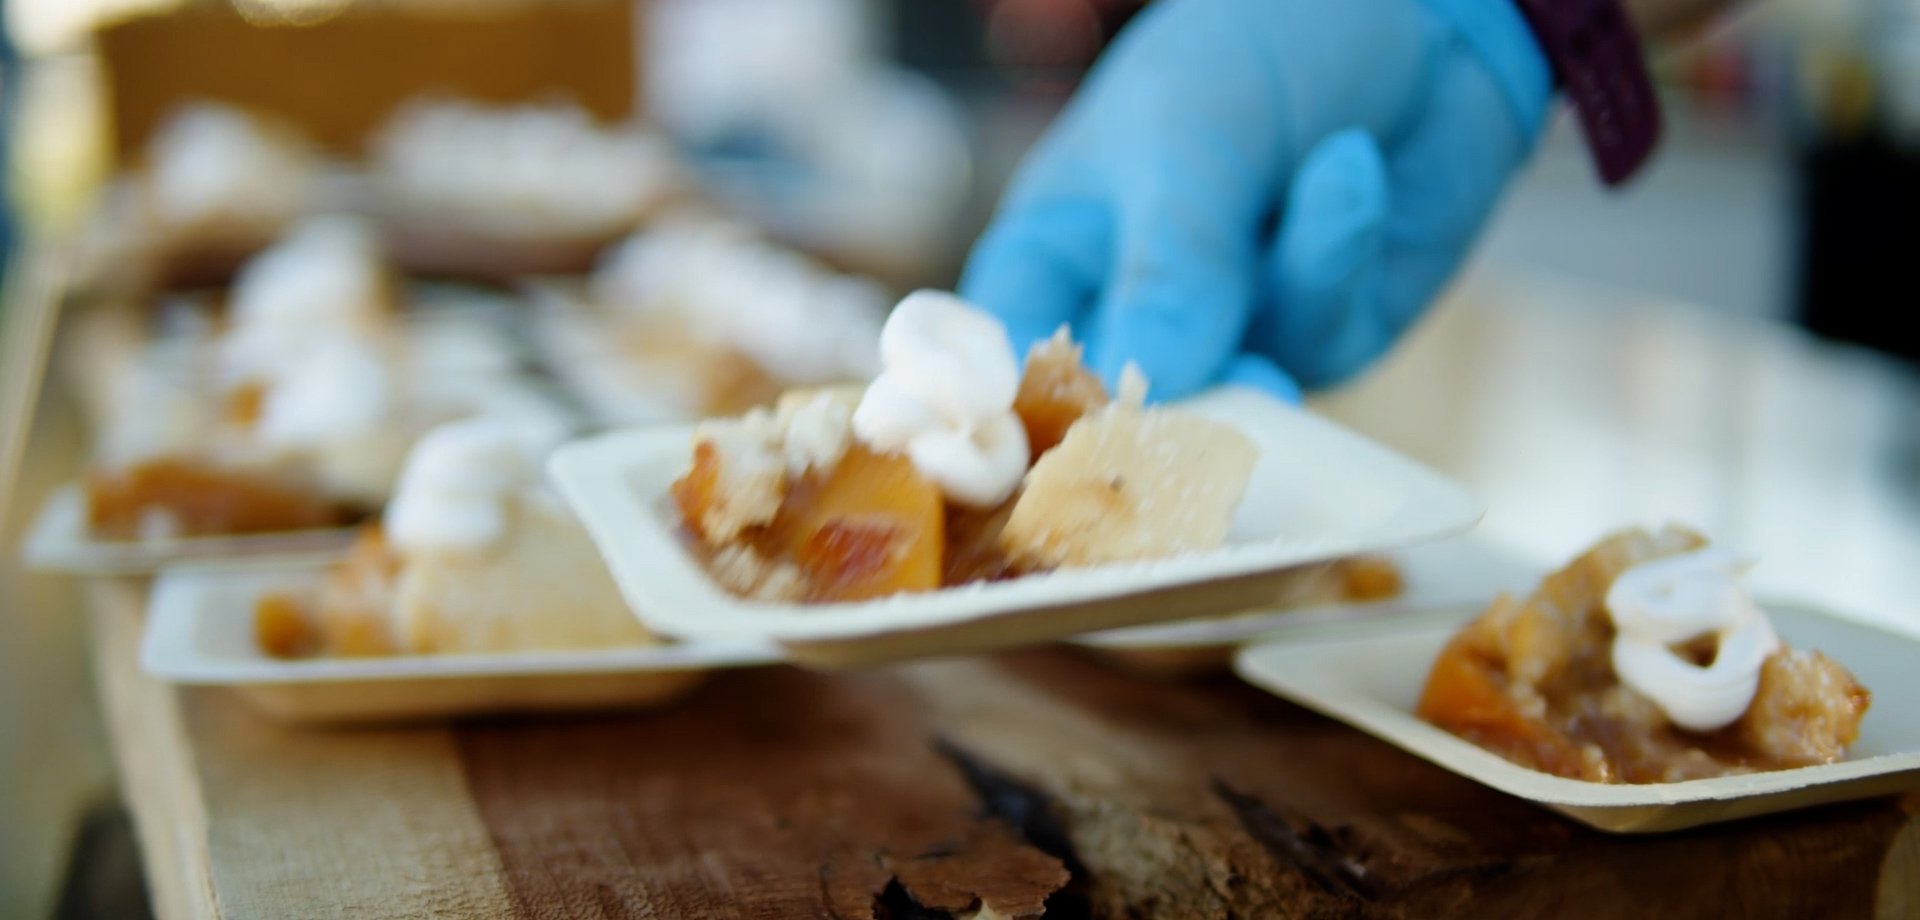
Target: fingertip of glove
(1339,198)
(1336,211)
(1255,371)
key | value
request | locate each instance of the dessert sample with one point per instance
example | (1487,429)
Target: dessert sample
(221,183)
(510,189)
(303,413)
(1642,661)
(699,316)
(473,555)
(954,466)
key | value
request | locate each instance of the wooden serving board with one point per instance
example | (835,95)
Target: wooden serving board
(1035,783)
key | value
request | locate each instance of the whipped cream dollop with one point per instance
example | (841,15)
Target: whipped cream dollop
(945,397)
(729,287)
(337,388)
(214,162)
(460,480)
(542,167)
(1675,601)
(325,277)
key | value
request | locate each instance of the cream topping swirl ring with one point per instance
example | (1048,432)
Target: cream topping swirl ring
(1678,600)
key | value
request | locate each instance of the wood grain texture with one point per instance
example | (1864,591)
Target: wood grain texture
(1214,800)
(154,756)
(774,794)
(345,824)
(240,818)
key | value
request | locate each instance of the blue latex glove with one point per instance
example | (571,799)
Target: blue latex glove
(1264,191)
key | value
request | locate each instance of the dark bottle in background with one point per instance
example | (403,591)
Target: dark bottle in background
(1859,244)
(1857,169)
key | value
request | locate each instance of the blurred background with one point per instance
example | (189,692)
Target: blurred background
(878,132)
(888,125)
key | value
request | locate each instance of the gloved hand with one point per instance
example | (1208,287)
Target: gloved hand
(1264,191)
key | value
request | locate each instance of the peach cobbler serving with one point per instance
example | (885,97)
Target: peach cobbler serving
(304,412)
(1642,661)
(473,555)
(954,466)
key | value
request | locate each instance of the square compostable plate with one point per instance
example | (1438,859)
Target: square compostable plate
(1318,492)
(1369,675)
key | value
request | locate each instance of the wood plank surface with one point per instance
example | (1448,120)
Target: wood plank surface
(154,756)
(997,786)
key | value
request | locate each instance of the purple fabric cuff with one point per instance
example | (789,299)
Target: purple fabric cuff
(1598,61)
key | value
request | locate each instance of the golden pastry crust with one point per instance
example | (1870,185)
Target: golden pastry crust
(543,588)
(1130,484)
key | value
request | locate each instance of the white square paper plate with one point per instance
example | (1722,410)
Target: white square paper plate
(1458,572)
(1318,492)
(60,541)
(1369,675)
(200,631)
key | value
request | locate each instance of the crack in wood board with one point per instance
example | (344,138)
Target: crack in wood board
(1035,817)
(895,903)
(1323,856)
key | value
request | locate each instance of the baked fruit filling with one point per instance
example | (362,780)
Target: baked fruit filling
(1642,661)
(954,467)
(175,497)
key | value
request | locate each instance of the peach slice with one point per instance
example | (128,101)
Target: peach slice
(355,605)
(873,527)
(698,489)
(283,628)
(1370,578)
(1465,694)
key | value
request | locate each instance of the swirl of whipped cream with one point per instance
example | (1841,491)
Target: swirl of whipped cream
(1679,599)
(945,398)
(460,478)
